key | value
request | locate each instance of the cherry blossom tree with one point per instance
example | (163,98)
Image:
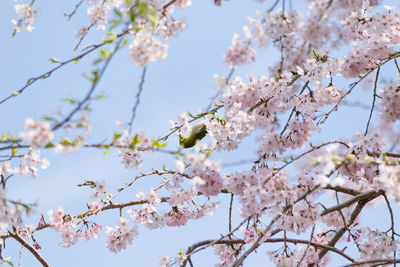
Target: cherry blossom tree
(298,201)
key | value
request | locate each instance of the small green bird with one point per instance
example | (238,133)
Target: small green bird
(198,132)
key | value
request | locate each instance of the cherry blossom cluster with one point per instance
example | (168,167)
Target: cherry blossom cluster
(37,134)
(376,245)
(68,226)
(239,52)
(302,256)
(120,236)
(227,254)
(129,148)
(26,18)
(390,101)
(28,165)
(283,108)
(150,22)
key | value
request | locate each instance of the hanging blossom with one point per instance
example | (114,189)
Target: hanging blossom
(376,245)
(228,254)
(27,16)
(120,236)
(389,179)
(390,102)
(302,257)
(239,52)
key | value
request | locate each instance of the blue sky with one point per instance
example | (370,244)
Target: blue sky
(181,82)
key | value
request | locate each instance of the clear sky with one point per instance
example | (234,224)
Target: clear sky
(182,82)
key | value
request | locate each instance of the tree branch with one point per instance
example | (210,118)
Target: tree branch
(29,247)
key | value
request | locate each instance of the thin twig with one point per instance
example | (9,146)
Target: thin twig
(373,101)
(20,256)
(392,223)
(61,64)
(230,213)
(92,88)
(74,11)
(137,98)
(219,92)
(308,246)
(353,85)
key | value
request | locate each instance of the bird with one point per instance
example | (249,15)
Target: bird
(199,131)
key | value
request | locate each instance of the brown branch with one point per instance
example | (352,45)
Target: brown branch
(380,262)
(357,210)
(207,243)
(29,247)
(343,190)
(363,196)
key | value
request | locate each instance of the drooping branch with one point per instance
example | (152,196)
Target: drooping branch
(373,100)
(29,247)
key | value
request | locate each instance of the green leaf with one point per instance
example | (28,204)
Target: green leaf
(15,93)
(135,141)
(105,152)
(118,13)
(153,17)
(104,53)
(132,16)
(52,59)
(101,96)
(97,61)
(14,151)
(4,136)
(115,138)
(7,260)
(96,77)
(48,118)
(125,41)
(27,207)
(157,144)
(49,145)
(70,100)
